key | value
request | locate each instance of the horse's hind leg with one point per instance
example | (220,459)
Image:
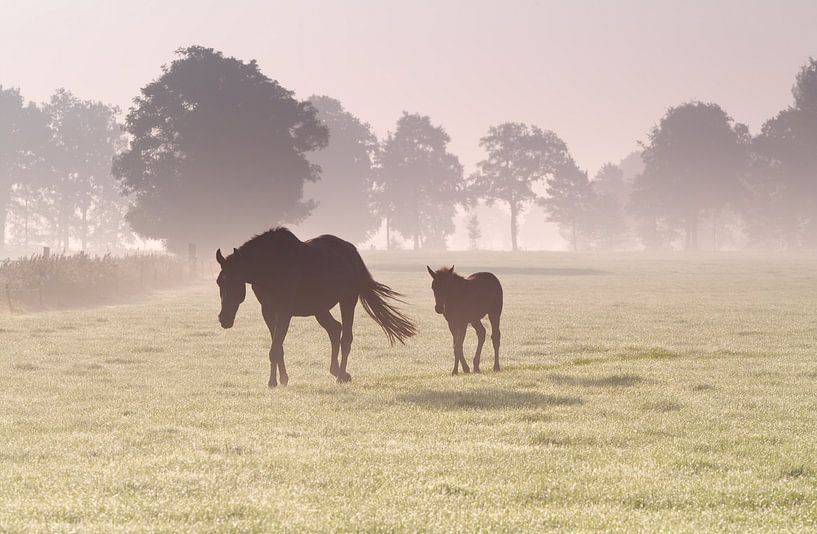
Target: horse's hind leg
(480,341)
(495,336)
(332,328)
(347,318)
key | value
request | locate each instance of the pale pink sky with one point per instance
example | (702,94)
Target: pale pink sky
(599,73)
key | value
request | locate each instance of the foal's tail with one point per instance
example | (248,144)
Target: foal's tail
(378,301)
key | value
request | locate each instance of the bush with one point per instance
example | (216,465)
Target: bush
(61,281)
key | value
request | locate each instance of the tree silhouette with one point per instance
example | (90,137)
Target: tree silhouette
(419,182)
(695,161)
(344,192)
(85,138)
(217,153)
(474,233)
(606,224)
(569,201)
(783,182)
(518,156)
(23,133)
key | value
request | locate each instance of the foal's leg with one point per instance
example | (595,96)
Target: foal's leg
(480,341)
(332,328)
(495,335)
(458,333)
(347,318)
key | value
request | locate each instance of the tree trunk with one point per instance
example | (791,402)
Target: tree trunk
(84,229)
(3,213)
(691,229)
(573,237)
(416,240)
(25,225)
(514,226)
(715,229)
(388,237)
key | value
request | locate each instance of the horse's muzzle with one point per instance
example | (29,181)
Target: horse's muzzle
(226,323)
(439,309)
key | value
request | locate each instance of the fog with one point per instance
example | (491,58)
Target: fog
(595,79)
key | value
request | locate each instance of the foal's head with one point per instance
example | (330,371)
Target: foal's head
(443,280)
(231,286)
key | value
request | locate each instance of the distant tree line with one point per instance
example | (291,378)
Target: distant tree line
(213,150)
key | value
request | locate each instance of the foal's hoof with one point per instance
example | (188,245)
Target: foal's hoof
(496,368)
(344,378)
(271,384)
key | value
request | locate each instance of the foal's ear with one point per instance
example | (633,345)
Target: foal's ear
(433,275)
(219,257)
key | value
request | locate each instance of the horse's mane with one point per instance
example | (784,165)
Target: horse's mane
(272,238)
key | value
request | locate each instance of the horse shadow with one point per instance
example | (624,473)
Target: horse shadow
(486,399)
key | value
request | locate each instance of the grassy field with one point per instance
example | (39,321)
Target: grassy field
(638,393)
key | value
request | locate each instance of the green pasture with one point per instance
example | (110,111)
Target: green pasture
(638,393)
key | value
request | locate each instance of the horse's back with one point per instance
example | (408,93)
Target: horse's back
(487,286)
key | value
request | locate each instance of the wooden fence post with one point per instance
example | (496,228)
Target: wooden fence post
(191,261)
(8,298)
(46,253)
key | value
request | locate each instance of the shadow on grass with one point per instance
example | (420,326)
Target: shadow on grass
(597,382)
(488,399)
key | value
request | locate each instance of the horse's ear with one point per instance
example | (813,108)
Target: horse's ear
(235,251)
(452,268)
(431,272)
(219,257)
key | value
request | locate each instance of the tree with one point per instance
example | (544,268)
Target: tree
(569,201)
(218,152)
(474,233)
(518,157)
(606,223)
(23,132)
(344,192)
(782,207)
(419,182)
(85,138)
(695,161)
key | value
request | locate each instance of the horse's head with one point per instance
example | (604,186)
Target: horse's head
(441,286)
(231,286)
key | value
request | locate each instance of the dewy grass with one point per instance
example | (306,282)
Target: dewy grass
(632,398)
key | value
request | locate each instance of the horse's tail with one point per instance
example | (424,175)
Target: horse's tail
(376,298)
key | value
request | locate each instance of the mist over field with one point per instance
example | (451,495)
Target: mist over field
(603,215)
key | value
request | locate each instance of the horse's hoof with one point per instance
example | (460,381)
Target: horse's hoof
(466,370)
(284,380)
(476,370)
(454,373)
(344,378)
(272,384)
(496,368)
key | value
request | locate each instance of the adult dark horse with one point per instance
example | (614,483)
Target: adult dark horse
(292,278)
(463,301)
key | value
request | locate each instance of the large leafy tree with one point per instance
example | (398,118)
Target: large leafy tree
(606,225)
(344,192)
(218,152)
(518,156)
(783,182)
(419,182)
(695,162)
(85,139)
(23,133)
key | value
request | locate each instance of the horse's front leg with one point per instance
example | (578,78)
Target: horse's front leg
(278,326)
(458,334)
